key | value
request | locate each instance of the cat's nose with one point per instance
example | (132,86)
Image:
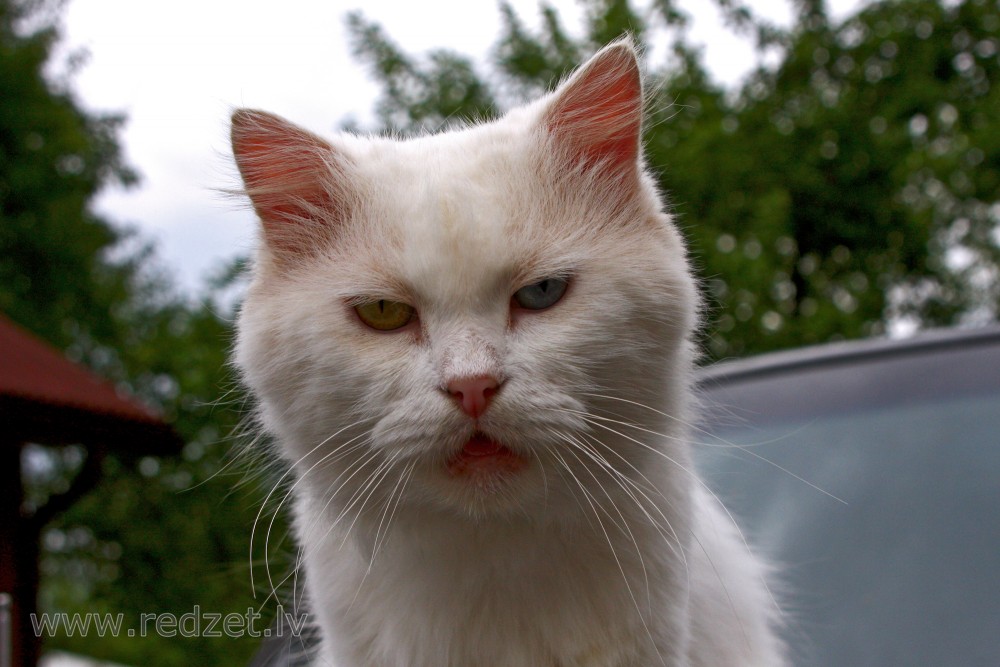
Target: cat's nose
(473,393)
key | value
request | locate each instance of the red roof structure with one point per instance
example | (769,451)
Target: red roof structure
(47,399)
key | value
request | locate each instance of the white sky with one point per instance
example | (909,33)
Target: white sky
(178,68)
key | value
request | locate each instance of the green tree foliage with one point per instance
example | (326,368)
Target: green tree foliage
(851,187)
(419,96)
(53,158)
(158,535)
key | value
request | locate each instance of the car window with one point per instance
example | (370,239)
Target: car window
(902,567)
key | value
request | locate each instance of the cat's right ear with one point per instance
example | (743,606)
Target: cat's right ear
(292,178)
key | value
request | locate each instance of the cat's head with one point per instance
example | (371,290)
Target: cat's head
(468,315)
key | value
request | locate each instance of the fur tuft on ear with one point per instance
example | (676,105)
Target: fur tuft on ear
(293,179)
(596,115)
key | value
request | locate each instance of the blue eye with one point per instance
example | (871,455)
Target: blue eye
(540,295)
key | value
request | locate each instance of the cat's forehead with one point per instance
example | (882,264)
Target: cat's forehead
(482,161)
(461,205)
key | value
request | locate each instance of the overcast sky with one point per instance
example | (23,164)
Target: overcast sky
(178,68)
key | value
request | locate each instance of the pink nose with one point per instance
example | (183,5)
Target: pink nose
(473,393)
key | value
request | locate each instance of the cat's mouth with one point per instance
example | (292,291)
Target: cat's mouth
(483,456)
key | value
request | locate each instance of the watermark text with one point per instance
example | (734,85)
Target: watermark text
(195,623)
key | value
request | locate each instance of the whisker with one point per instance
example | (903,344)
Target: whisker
(379,542)
(733,445)
(405,479)
(673,539)
(372,487)
(287,472)
(333,455)
(611,546)
(697,479)
(623,526)
(350,472)
(594,456)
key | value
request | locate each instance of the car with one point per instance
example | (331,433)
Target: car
(868,473)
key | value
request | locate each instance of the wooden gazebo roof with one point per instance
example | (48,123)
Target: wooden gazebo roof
(46,398)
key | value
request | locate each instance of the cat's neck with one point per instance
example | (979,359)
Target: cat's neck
(618,524)
(562,588)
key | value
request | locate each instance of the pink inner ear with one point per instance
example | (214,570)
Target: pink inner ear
(288,176)
(598,113)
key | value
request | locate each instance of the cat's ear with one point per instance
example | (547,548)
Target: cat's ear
(596,115)
(292,177)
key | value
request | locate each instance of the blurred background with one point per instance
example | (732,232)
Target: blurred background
(834,166)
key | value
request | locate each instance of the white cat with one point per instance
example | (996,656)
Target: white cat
(474,350)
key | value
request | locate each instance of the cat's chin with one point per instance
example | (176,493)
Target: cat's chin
(482,478)
(483,461)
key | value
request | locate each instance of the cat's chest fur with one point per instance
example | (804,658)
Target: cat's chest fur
(519,594)
(474,353)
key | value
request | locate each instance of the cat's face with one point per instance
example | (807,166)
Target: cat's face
(447,320)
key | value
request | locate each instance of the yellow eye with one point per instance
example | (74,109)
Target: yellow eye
(385,315)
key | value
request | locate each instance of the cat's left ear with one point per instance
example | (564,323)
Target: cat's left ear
(596,115)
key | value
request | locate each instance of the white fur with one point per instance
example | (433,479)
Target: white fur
(606,550)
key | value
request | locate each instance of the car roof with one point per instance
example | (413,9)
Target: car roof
(845,353)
